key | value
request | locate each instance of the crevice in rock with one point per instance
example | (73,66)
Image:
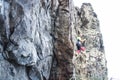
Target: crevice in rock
(16,15)
(13,62)
(65,10)
(28,68)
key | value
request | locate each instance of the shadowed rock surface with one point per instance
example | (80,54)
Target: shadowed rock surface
(38,41)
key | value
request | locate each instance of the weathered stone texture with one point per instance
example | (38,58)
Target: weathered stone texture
(38,41)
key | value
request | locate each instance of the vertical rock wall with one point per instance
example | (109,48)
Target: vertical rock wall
(38,41)
(26,43)
(63,47)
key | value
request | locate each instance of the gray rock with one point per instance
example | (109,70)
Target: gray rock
(9,71)
(93,65)
(38,38)
(24,53)
(42,70)
(26,28)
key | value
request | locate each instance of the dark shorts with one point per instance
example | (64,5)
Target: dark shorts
(78,47)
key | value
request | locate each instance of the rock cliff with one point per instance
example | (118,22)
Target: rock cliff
(38,41)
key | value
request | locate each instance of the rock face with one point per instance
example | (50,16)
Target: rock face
(26,40)
(38,41)
(90,64)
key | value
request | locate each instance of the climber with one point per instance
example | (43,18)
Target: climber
(79,44)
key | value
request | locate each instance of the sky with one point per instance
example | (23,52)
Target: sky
(108,12)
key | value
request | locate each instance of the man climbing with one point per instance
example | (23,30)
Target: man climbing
(79,44)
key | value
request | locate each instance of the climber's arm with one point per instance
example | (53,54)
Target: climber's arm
(83,40)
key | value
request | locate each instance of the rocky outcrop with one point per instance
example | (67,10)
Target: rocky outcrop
(38,41)
(26,40)
(90,64)
(63,47)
